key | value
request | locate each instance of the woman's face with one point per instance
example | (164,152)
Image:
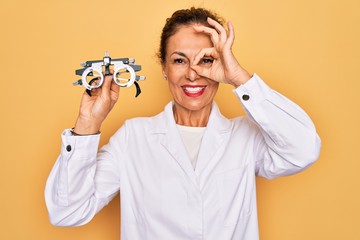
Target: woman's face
(189,90)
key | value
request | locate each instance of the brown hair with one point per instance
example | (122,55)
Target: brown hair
(184,17)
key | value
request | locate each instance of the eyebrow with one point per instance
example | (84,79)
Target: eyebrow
(180,53)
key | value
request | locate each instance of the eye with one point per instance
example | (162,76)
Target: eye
(179,60)
(207,61)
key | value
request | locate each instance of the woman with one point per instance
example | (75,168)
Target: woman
(192,173)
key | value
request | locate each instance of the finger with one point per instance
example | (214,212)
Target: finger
(114,91)
(107,81)
(114,87)
(93,91)
(214,35)
(201,71)
(105,89)
(231,35)
(219,28)
(204,52)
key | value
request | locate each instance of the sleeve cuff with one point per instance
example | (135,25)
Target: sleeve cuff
(254,90)
(79,147)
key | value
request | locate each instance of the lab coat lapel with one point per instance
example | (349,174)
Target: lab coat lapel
(216,135)
(173,143)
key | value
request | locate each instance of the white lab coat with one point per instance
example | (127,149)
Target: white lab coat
(162,196)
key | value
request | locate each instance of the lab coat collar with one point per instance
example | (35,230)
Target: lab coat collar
(217,133)
(167,121)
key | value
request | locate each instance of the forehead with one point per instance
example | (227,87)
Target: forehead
(186,39)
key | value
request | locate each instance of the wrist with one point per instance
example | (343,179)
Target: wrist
(73,133)
(86,127)
(240,79)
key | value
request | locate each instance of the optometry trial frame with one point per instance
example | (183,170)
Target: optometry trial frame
(123,71)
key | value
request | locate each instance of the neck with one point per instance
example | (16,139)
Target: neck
(192,118)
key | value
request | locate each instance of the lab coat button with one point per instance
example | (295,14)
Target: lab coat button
(245,97)
(68,148)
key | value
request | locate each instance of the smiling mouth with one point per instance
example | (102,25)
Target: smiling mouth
(193,91)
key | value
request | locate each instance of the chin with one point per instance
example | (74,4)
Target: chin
(193,106)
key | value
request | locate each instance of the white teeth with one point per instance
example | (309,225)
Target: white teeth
(193,90)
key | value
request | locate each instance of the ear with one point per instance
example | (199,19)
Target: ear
(163,67)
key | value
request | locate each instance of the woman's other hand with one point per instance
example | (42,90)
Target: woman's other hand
(95,108)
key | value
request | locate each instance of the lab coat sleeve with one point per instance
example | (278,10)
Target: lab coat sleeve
(287,141)
(82,180)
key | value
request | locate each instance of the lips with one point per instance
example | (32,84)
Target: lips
(193,91)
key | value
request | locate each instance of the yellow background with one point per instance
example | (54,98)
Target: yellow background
(306,49)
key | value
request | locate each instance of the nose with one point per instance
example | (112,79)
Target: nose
(192,75)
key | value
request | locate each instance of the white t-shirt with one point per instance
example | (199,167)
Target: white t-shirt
(192,137)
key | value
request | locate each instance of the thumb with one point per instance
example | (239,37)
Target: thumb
(204,72)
